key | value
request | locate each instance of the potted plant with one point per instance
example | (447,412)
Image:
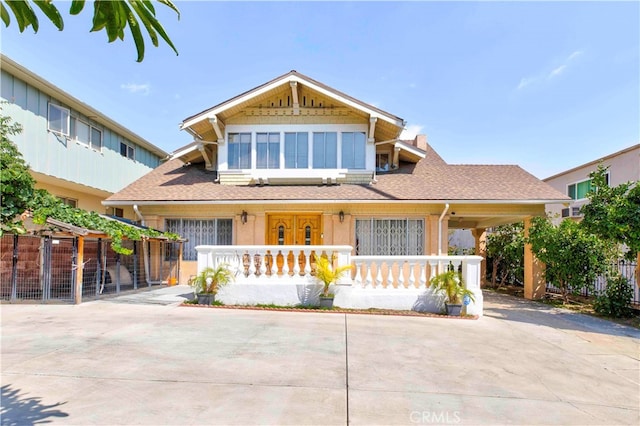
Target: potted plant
(451,284)
(209,281)
(328,275)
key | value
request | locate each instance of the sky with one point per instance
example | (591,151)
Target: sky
(545,85)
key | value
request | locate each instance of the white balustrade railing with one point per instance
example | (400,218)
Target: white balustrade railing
(252,263)
(256,263)
(397,272)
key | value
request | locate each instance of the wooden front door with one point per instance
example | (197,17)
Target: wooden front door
(294,229)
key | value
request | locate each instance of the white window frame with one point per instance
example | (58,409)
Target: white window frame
(252,149)
(356,153)
(309,129)
(65,114)
(129,147)
(90,142)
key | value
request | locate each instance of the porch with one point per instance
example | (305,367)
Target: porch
(283,275)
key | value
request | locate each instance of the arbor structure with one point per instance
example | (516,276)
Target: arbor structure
(112,16)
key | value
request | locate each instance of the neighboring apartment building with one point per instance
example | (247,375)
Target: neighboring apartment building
(624,166)
(74,151)
(295,162)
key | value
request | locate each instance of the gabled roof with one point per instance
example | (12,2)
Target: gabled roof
(428,181)
(283,82)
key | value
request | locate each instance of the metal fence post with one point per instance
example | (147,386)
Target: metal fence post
(46,268)
(135,265)
(117,273)
(99,267)
(14,269)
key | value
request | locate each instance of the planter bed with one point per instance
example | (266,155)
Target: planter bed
(334,311)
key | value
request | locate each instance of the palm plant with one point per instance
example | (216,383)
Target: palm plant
(326,273)
(451,284)
(210,280)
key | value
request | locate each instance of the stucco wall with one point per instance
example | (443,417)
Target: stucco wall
(623,167)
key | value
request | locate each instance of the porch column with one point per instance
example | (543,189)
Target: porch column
(480,236)
(534,281)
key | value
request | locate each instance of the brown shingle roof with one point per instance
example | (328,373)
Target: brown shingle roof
(430,179)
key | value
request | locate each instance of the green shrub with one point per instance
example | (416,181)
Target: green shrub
(616,299)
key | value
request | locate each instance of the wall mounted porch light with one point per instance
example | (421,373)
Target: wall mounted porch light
(243,217)
(341,216)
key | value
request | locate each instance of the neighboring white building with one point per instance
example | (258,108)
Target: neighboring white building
(624,166)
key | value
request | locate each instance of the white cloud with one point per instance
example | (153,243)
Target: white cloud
(547,75)
(137,88)
(524,82)
(557,71)
(411,131)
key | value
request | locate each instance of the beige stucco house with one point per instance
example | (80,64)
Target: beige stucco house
(294,162)
(624,166)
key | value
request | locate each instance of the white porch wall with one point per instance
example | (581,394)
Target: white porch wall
(384,282)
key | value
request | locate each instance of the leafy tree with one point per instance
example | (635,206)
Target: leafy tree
(573,256)
(113,16)
(16,184)
(613,213)
(505,250)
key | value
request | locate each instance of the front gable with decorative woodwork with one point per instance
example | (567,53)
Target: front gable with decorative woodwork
(295,130)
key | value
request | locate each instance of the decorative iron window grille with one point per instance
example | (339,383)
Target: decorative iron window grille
(197,232)
(389,237)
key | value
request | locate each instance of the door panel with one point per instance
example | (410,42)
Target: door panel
(280,230)
(294,229)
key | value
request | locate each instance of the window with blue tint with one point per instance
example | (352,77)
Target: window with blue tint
(296,150)
(239,151)
(353,150)
(268,150)
(325,150)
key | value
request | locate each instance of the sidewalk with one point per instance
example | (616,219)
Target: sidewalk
(143,359)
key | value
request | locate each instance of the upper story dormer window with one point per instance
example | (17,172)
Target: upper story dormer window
(296,150)
(353,150)
(325,150)
(58,119)
(268,150)
(239,150)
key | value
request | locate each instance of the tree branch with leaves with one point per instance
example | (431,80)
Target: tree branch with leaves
(112,16)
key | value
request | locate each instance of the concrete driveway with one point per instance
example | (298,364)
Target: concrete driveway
(142,359)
